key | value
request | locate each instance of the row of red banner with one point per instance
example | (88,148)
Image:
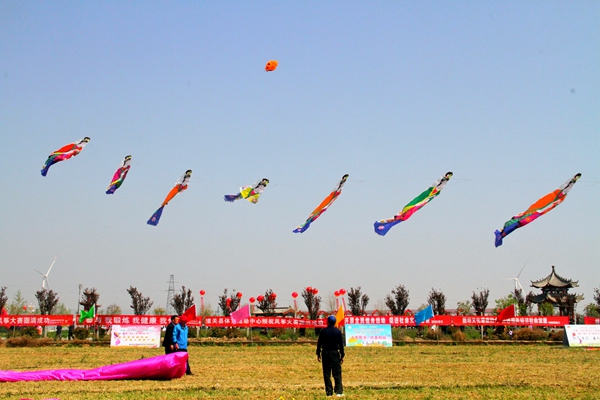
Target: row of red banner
(284,322)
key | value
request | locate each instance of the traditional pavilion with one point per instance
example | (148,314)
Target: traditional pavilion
(555,291)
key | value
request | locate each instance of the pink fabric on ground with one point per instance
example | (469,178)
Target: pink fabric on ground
(170,366)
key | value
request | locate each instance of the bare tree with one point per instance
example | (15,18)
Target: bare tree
(89,298)
(313,303)
(437,299)
(227,304)
(268,304)
(330,304)
(597,298)
(47,299)
(480,301)
(140,304)
(3,297)
(182,301)
(113,309)
(398,300)
(357,302)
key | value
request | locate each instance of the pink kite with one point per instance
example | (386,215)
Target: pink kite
(170,366)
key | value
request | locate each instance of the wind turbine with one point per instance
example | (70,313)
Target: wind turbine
(45,276)
(517,283)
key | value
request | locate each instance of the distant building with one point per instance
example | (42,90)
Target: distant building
(555,291)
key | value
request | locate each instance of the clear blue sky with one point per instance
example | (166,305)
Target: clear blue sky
(504,94)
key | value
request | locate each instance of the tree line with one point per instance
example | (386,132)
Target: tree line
(396,301)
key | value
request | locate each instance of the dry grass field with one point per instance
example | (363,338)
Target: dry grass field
(269,372)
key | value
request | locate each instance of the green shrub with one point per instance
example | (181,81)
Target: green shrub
(472,333)
(556,336)
(24,341)
(81,333)
(458,336)
(406,333)
(433,334)
(217,333)
(289,334)
(30,331)
(530,334)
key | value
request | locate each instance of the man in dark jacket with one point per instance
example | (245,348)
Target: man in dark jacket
(330,351)
(168,340)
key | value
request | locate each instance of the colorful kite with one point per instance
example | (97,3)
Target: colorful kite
(382,227)
(271,65)
(323,206)
(64,153)
(170,366)
(119,175)
(180,186)
(537,209)
(250,193)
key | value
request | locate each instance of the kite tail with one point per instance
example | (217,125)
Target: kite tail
(231,197)
(49,162)
(112,189)
(382,227)
(302,227)
(155,218)
(498,238)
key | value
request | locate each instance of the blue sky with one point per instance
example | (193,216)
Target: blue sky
(395,94)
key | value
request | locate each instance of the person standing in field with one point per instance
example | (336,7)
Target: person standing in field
(168,340)
(330,351)
(180,340)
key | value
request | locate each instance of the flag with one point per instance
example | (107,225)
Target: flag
(91,313)
(508,312)
(4,312)
(424,315)
(339,317)
(189,314)
(240,315)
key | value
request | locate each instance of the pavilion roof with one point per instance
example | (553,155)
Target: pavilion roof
(554,280)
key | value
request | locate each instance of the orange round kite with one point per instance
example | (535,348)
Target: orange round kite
(271,65)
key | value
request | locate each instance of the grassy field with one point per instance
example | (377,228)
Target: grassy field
(269,372)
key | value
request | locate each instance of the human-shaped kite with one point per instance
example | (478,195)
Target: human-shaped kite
(64,153)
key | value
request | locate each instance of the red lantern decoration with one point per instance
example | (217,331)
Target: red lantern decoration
(315,291)
(260,298)
(252,300)
(336,293)
(202,292)
(239,295)
(342,291)
(25,308)
(294,294)
(272,296)
(309,289)
(228,302)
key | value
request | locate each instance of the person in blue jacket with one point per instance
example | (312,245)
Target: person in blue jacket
(180,340)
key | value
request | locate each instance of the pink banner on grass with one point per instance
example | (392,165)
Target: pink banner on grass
(165,367)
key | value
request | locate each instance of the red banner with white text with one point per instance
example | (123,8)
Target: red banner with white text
(36,320)
(285,322)
(591,320)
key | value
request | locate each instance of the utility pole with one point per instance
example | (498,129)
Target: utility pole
(79,298)
(170,293)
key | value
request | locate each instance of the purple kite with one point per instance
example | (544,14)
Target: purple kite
(165,367)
